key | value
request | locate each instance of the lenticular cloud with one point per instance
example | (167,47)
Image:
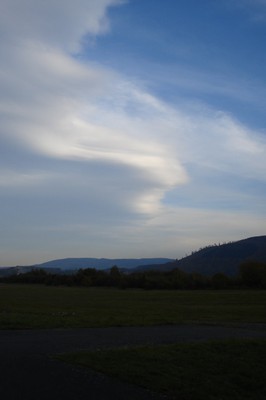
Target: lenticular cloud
(59,107)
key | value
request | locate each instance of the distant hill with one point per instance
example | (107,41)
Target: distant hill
(100,263)
(224,258)
(208,261)
(70,265)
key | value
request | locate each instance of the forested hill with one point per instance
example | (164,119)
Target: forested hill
(224,258)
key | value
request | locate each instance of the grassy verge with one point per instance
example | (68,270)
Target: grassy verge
(224,370)
(37,306)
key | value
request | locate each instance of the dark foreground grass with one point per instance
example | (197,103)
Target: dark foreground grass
(37,306)
(222,370)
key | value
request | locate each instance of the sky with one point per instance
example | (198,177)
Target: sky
(130,128)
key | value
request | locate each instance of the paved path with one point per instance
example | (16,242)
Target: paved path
(27,370)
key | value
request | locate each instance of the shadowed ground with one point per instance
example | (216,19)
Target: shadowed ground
(28,371)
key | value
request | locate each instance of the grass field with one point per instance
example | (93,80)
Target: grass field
(37,306)
(228,370)
(222,370)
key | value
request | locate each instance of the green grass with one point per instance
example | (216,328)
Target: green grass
(224,370)
(209,371)
(37,306)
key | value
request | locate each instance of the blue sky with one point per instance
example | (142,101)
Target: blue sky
(130,128)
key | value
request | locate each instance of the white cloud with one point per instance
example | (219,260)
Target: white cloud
(60,23)
(218,141)
(54,107)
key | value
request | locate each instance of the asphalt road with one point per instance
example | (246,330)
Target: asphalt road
(29,371)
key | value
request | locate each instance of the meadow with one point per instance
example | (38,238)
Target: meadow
(39,306)
(211,370)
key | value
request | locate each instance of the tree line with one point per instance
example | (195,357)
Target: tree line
(252,274)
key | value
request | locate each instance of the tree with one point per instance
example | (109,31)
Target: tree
(115,276)
(220,281)
(253,274)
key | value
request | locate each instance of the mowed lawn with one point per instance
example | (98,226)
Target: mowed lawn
(38,306)
(213,370)
(222,370)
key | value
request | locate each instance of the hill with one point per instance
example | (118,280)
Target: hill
(208,261)
(71,265)
(224,258)
(100,263)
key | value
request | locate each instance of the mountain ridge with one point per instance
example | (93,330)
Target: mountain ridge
(66,264)
(222,258)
